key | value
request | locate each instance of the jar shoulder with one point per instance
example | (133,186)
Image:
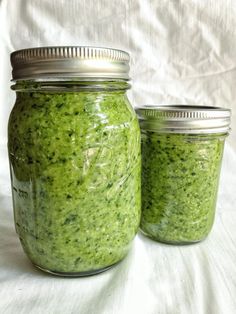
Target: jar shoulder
(62,110)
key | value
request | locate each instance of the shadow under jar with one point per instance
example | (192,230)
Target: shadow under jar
(182,148)
(74,151)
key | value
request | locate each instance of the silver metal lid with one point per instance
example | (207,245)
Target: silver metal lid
(184,119)
(81,62)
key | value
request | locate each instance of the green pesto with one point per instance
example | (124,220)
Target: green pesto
(75,167)
(180,176)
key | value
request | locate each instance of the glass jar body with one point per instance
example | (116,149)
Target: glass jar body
(180,175)
(75,167)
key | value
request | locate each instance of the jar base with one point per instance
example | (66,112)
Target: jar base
(171,242)
(75,274)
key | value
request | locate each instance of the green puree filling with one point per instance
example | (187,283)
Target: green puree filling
(75,166)
(180,176)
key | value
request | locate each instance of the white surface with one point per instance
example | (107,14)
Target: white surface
(182,51)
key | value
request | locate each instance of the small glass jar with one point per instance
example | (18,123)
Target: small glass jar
(182,149)
(74,150)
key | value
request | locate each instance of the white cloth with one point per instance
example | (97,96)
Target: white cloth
(182,52)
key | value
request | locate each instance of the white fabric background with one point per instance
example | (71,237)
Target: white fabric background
(182,52)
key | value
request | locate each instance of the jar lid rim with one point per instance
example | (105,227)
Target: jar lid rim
(182,107)
(70,62)
(184,118)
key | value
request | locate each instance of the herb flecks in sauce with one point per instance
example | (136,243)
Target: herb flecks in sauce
(180,176)
(75,164)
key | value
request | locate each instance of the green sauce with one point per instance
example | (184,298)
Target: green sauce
(180,176)
(75,167)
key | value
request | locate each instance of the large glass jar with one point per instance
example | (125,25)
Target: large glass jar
(182,148)
(74,150)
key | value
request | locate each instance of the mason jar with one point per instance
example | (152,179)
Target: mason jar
(182,148)
(74,151)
